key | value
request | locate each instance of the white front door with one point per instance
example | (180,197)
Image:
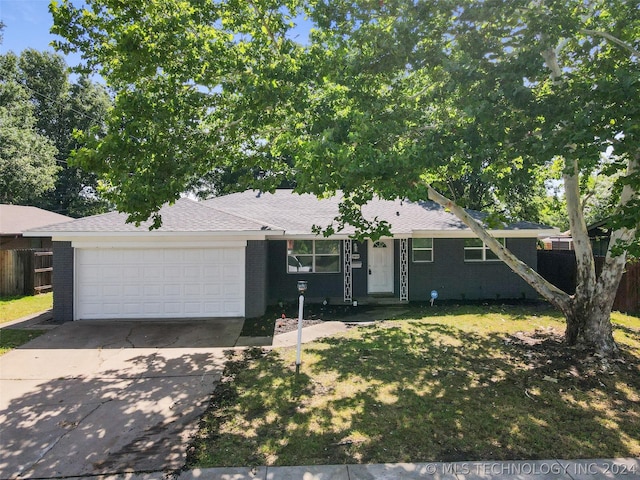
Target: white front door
(380,259)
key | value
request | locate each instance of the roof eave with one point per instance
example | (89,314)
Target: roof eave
(153,234)
(502,233)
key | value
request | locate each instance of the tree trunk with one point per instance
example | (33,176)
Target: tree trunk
(589,325)
(588,312)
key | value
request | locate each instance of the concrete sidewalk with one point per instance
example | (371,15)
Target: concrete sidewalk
(624,468)
(309,334)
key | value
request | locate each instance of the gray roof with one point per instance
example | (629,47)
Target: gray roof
(298,213)
(16,219)
(283,211)
(183,216)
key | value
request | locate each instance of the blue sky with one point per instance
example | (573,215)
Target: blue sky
(27,24)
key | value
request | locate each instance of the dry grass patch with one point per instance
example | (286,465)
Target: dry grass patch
(447,384)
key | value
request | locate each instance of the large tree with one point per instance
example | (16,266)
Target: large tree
(61,108)
(27,158)
(512,86)
(390,97)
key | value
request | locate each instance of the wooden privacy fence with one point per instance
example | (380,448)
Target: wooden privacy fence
(25,272)
(559,268)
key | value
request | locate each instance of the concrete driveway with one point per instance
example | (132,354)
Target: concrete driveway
(95,398)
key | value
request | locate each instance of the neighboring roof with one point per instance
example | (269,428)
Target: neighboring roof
(283,212)
(183,216)
(16,219)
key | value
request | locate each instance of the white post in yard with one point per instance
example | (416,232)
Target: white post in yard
(302,287)
(299,348)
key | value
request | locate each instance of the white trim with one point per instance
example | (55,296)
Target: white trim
(282,235)
(153,234)
(74,309)
(314,255)
(469,234)
(348,274)
(404,269)
(484,249)
(422,249)
(289,236)
(110,244)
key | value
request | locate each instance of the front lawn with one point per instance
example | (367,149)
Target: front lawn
(13,308)
(10,338)
(441,384)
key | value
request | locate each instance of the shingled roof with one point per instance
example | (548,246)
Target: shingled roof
(296,214)
(16,219)
(282,212)
(183,216)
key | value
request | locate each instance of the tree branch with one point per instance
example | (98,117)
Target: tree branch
(550,292)
(613,39)
(614,265)
(586,279)
(263,21)
(551,59)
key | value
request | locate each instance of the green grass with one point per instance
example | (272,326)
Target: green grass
(10,339)
(12,308)
(441,384)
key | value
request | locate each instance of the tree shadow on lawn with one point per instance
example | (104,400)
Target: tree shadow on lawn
(135,412)
(413,392)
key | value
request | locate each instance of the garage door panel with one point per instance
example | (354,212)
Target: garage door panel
(173,308)
(213,290)
(151,272)
(193,273)
(112,272)
(153,291)
(152,308)
(193,308)
(130,291)
(172,291)
(131,273)
(132,257)
(112,309)
(212,255)
(112,290)
(131,308)
(213,273)
(159,283)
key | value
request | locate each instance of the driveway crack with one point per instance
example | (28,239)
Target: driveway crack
(45,451)
(127,339)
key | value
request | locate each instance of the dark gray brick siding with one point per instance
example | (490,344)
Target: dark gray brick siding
(283,285)
(449,274)
(255,278)
(62,281)
(455,279)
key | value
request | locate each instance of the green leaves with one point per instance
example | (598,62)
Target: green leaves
(27,158)
(200,87)
(383,94)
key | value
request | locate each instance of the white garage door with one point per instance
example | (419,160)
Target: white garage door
(159,283)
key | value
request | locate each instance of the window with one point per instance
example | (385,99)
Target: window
(422,249)
(475,250)
(313,256)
